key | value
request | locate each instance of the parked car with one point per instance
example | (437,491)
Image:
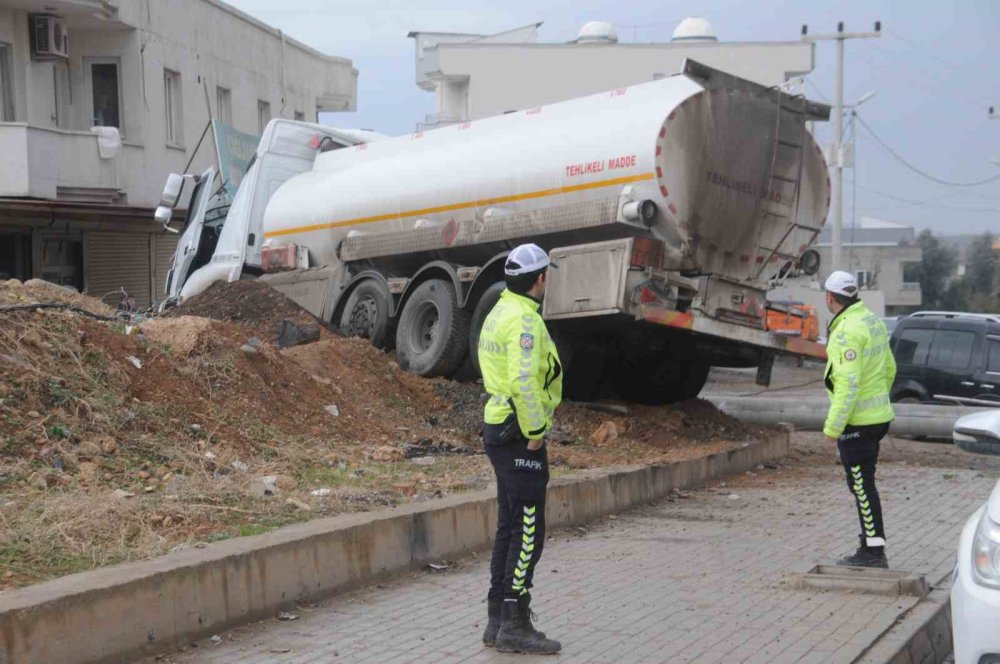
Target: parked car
(947,357)
(891,322)
(975,587)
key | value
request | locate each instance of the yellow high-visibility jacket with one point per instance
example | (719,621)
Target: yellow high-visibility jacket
(520,366)
(860,370)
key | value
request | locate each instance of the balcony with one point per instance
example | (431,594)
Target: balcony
(908,295)
(59,164)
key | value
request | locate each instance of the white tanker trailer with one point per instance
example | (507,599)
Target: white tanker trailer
(668,205)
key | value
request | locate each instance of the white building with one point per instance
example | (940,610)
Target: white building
(476,76)
(77,215)
(883,255)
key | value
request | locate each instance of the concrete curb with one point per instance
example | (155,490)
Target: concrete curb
(121,613)
(921,636)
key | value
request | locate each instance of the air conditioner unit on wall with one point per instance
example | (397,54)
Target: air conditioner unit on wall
(49,38)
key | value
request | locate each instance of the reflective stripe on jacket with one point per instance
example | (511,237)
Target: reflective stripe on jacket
(520,365)
(860,370)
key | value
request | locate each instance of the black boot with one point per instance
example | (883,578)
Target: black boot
(494,607)
(866,556)
(517,633)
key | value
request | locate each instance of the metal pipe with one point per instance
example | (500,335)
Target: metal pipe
(810,414)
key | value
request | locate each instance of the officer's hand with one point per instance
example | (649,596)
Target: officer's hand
(830,440)
(535,445)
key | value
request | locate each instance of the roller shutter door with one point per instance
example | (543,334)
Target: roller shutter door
(120,260)
(163,255)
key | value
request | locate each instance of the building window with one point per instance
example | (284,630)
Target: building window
(62,261)
(300,116)
(172,108)
(263,115)
(224,105)
(6,84)
(105,85)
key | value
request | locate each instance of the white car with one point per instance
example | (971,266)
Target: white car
(975,588)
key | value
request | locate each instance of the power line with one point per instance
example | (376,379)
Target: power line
(916,170)
(818,91)
(911,202)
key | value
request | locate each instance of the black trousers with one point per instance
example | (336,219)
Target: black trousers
(522,477)
(859,447)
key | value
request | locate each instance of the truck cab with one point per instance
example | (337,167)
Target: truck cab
(223,240)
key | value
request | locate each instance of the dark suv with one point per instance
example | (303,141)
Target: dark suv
(947,357)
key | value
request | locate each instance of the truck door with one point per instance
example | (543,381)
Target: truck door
(187,246)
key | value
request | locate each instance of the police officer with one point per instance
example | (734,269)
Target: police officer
(523,376)
(860,371)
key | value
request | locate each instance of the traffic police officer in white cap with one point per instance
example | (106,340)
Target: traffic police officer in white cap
(523,376)
(860,371)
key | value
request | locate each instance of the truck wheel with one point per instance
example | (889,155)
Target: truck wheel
(366,314)
(487,301)
(432,337)
(693,378)
(661,380)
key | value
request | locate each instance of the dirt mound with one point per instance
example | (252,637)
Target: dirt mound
(36,291)
(116,446)
(186,335)
(250,303)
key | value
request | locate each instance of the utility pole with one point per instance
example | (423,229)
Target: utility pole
(837,195)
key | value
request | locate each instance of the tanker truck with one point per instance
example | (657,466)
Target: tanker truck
(669,207)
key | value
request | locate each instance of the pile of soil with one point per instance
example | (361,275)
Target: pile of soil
(36,291)
(251,303)
(121,442)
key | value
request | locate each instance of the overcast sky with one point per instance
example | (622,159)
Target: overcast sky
(936,69)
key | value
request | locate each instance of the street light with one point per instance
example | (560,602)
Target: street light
(865,97)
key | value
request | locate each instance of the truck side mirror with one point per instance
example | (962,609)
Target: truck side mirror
(162,216)
(172,190)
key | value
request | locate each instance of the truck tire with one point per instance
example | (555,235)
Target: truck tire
(432,337)
(662,380)
(487,301)
(366,314)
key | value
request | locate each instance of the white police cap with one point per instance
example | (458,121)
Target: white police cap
(527,258)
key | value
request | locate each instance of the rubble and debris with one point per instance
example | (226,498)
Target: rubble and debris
(332,409)
(604,434)
(298,504)
(291,333)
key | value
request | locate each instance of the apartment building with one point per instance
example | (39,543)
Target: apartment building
(101,99)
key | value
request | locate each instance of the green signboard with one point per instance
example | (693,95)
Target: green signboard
(235,150)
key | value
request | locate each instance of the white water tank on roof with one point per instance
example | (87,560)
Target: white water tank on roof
(694,29)
(597,32)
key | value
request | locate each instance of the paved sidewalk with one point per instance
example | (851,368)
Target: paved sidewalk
(698,579)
